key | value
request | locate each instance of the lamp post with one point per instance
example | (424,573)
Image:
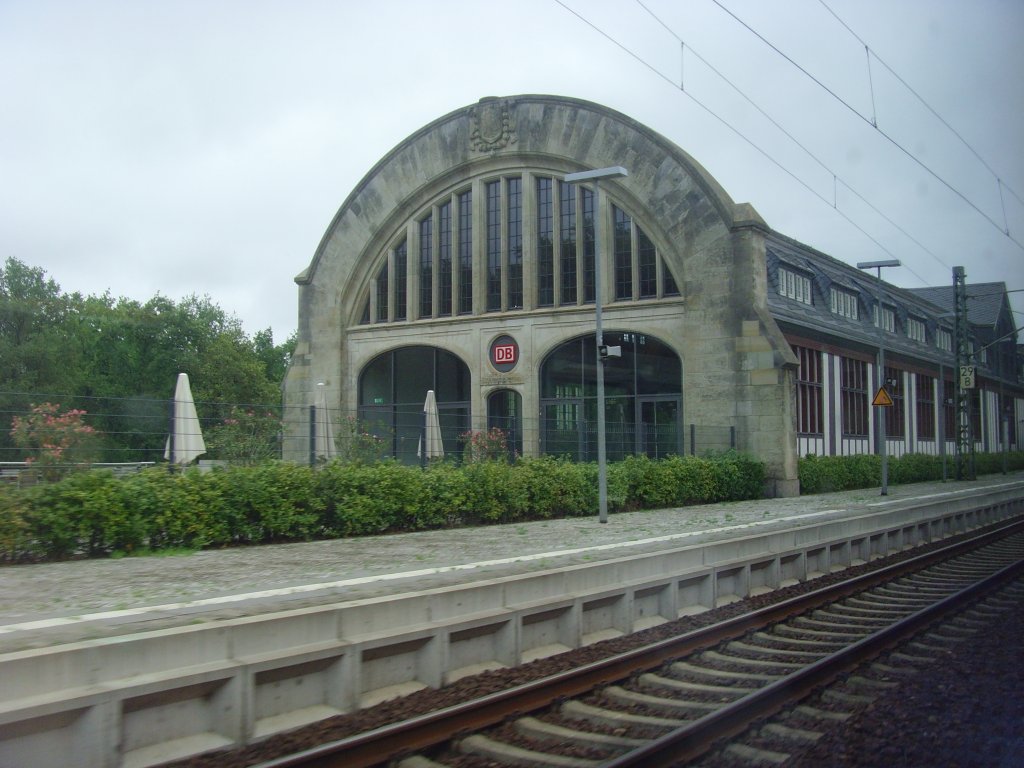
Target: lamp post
(882,448)
(616,172)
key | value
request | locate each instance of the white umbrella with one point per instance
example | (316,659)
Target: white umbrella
(185,441)
(324,448)
(434,444)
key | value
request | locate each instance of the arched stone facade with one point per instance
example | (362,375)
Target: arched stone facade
(465,233)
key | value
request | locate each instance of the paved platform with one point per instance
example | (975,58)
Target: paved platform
(48,604)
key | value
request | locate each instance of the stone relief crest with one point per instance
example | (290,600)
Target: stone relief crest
(492,124)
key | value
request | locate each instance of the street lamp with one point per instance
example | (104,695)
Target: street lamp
(616,172)
(882,448)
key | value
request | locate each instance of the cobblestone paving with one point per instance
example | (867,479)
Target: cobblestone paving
(367,567)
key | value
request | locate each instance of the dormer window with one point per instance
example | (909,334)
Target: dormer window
(944,340)
(888,318)
(915,329)
(844,303)
(794,285)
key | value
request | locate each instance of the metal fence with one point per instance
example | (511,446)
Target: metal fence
(127,433)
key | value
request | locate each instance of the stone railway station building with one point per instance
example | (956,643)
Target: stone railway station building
(463,263)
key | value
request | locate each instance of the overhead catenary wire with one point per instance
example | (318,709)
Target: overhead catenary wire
(927,106)
(836,180)
(764,153)
(890,139)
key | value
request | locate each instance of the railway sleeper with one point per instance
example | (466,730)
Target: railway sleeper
(800,632)
(686,669)
(744,647)
(780,635)
(728,691)
(613,719)
(509,754)
(542,731)
(742,662)
(626,697)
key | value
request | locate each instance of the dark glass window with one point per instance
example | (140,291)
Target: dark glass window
(853,376)
(567,243)
(401,280)
(642,398)
(391,401)
(623,254)
(515,243)
(809,386)
(505,412)
(589,245)
(382,294)
(671,289)
(894,415)
(975,404)
(545,245)
(444,259)
(562,253)
(948,396)
(493,191)
(427,267)
(465,253)
(647,261)
(925,406)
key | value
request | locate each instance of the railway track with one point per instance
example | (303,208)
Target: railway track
(683,698)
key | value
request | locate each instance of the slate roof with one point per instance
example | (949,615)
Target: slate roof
(985,301)
(987,308)
(818,321)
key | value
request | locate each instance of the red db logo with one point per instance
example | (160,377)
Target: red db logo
(504,354)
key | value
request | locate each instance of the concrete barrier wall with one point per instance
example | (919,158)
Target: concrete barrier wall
(146,698)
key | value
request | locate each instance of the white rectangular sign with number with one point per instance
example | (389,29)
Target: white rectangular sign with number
(966,377)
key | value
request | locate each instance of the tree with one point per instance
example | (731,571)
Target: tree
(128,355)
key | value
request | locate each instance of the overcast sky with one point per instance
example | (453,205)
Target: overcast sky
(203,147)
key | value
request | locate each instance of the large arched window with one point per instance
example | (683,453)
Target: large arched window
(392,390)
(643,399)
(431,267)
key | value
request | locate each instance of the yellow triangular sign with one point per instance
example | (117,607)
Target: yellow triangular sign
(882,398)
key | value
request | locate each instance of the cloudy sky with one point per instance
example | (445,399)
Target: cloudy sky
(203,147)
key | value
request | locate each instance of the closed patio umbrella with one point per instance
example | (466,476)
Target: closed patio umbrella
(324,447)
(185,441)
(434,448)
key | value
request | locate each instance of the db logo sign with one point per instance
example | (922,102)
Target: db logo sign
(504,354)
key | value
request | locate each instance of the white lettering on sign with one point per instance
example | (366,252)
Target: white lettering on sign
(504,353)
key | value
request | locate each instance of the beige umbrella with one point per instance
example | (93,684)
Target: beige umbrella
(434,448)
(324,448)
(185,441)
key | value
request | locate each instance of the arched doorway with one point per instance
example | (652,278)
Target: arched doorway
(505,412)
(393,387)
(643,399)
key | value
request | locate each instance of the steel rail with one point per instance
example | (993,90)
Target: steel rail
(381,745)
(695,739)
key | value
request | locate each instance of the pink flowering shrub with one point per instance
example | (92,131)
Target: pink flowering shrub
(54,439)
(491,445)
(246,436)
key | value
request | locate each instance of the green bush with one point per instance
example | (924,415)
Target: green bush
(557,487)
(86,512)
(360,499)
(275,501)
(15,532)
(179,511)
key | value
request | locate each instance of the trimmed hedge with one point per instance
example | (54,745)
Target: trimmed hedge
(826,474)
(96,514)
